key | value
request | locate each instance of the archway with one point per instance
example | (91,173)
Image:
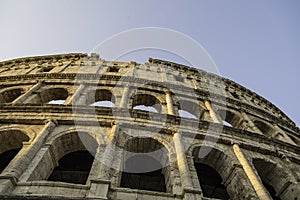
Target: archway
(189,109)
(11,144)
(100,98)
(75,155)
(144,165)
(210,182)
(264,128)
(50,96)
(73,168)
(271,177)
(10,95)
(146,102)
(230,118)
(209,164)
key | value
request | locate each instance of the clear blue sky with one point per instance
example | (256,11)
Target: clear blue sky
(255,43)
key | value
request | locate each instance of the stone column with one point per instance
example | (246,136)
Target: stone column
(25,96)
(292,186)
(212,113)
(76,96)
(238,185)
(188,191)
(18,166)
(195,84)
(124,98)
(107,156)
(100,187)
(34,170)
(182,162)
(170,108)
(253,178)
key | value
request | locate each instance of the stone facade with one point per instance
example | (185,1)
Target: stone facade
(230,144)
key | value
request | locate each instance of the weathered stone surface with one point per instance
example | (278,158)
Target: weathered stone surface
(53,106)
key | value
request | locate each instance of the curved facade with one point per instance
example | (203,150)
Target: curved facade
(78,127)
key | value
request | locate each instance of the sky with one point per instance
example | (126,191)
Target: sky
(254,43)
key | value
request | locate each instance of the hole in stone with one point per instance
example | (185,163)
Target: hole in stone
(152,180)
(46,69)
(226,123)
(100,98)
(11,143)
(73,168)
(10,95)
(103,104)
(271,191)
(6,157)
(113,69)
(146,102)
(58,102)
(145,108)
(211,182)
(186,114)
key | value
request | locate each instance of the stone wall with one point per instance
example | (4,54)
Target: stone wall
(53,106)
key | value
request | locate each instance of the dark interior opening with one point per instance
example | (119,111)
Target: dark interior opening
(102,98)
(189,109)
(152,180)
(146,102)
(10,95)
(11,141)
(235,95)
(73,168)
(211,182)
(49,95)
(46,69)
(269,175)
(271,191)
(264,128)
(6,157)
(113,69)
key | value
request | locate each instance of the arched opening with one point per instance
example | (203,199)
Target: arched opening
(144,166)
(186,114)
(225,123)
(271,177)
(75,155)
(103,104)
(73,168)
(100,98)
(57,102)
(145,108)
(50,96)
(7,156)
(152,180)
(10,95)
(11,144)
(146,102)
(264,128)
(229,118)
(209,165)
(271,191)
(189,109)
(210,182)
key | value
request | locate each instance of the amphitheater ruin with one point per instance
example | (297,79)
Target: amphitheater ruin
(75,126)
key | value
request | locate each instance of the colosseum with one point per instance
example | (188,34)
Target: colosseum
(76,126)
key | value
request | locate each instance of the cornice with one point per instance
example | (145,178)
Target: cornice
(202,93)
(134,119)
